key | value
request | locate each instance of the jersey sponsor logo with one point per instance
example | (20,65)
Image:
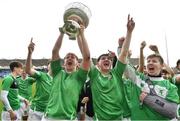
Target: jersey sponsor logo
(160,91)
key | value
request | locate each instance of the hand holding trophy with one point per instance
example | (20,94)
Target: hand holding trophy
(75,14)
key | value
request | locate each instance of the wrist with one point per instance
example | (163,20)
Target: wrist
(10,111)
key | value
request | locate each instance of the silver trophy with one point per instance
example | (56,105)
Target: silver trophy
(75,14)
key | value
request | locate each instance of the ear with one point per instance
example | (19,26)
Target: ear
(98,64)
(63,65)
(78,65)
(163,65)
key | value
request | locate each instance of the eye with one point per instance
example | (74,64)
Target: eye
(103,58)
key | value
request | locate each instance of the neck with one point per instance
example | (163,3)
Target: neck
(23,77)
(49,72)
(14,74)
(70,70)
(105,72)
(159,75)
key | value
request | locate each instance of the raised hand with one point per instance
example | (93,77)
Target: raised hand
(31,46)
(121,41)
(130,24)
(154,48)
(143,45)
(111,54)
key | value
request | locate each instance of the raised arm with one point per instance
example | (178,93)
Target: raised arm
(141,59)
(120,44)
(156,50)
(29,69)
(126,43)
(57,46)
(83,46)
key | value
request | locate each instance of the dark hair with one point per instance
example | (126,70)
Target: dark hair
(178,62)
(156,56)
(15,64)
(72,54)
(101,56)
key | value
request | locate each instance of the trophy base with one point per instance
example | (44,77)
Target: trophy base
(71,28)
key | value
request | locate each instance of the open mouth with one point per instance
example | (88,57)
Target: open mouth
(151,69)
(69,63)
(106,64)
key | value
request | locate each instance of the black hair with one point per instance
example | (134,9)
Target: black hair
(15,64)
(72,54)
(101,56)
(178,62)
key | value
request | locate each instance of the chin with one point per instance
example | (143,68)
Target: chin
(106,69)
(152,74)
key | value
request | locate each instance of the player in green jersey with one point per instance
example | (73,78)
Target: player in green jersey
(106,83)
(138,89)
(67,82)
(9,94)
(25,90)
(43,87)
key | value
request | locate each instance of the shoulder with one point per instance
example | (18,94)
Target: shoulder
(8,77)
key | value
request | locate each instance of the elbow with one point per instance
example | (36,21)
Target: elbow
(28,70)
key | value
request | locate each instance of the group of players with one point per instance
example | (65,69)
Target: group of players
(110,90)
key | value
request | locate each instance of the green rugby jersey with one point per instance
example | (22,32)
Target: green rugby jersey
(108,93)
(10,84)
(134,88)
(43,88)
(65,92)
(25,87)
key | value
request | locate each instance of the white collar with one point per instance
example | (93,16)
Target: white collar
(156,78)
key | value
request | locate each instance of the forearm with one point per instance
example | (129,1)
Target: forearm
(79,40)
(84,48)
(29,64)
(141,61)
(57,46)
(125,48)
(84,51)
(130,73)
(5,100)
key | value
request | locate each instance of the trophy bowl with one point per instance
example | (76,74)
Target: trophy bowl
(75,14)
